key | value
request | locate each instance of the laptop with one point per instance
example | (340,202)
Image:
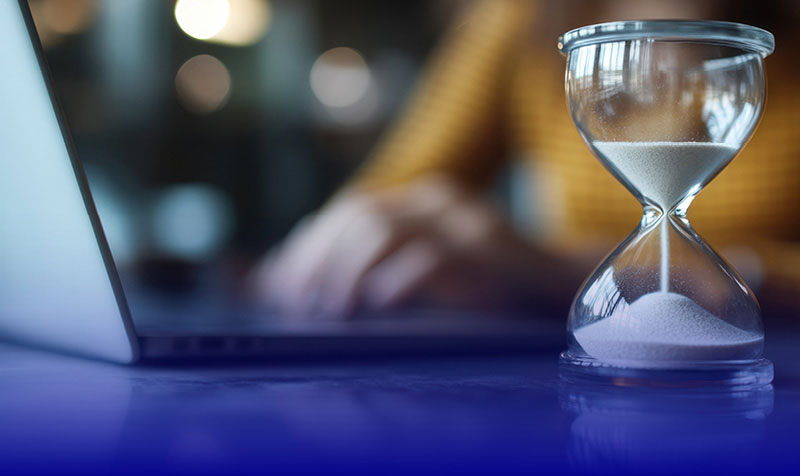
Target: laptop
(60,289)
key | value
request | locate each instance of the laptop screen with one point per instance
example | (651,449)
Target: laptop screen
(55,289)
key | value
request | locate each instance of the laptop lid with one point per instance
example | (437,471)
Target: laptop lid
(59,288)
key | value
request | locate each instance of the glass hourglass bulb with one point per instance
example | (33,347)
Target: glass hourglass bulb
(665,106)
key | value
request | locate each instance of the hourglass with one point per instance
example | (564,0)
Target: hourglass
(666,105)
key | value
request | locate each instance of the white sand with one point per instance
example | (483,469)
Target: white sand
(664,172)
(662,330)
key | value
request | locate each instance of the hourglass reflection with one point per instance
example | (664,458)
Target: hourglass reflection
(665,106)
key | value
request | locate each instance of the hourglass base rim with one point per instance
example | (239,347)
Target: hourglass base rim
(735,375)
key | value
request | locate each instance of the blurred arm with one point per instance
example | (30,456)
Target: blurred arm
(454,121)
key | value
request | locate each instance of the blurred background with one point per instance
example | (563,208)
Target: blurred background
(209,127)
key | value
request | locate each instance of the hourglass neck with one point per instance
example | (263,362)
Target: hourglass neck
(677,210)
(652,214)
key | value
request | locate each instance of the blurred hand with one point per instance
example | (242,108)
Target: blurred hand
(429,240)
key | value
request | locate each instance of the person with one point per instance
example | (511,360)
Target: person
(415,224)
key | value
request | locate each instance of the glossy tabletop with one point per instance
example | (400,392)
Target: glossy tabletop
(454,415)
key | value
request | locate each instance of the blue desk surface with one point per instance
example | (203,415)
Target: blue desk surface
(495,415)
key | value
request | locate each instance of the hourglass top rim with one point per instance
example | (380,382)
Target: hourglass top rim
(738,35)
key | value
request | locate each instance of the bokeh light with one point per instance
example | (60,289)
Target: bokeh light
(203,84)
(56,19)
(340,77)
(192,221)
(248,22)
(202,19)
(230,22)
(69,17)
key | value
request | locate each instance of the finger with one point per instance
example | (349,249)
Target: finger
(364,243)
(322,271)
(430,196)
(402,274)
(283,269)
(411,212)
(291,279)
